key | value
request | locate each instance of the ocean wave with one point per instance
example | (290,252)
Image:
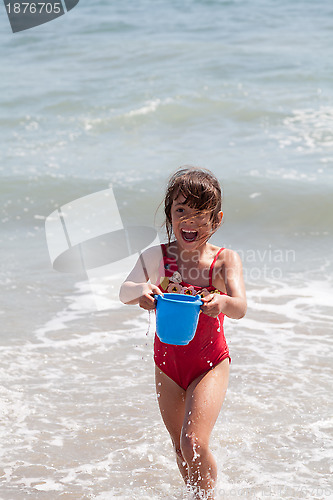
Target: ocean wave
(308,130)
(275,197)
(148,107)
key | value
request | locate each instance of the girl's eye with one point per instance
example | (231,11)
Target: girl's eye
(180,210)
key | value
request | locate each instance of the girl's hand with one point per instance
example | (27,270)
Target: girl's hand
(147,301)
(213,304)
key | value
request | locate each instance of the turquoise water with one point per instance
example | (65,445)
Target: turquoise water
(121,95)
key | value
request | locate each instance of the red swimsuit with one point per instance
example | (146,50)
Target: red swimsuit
(183,364)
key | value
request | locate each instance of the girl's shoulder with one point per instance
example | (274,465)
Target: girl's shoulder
(227,257)
(228,265)
(155,252)
(152,259)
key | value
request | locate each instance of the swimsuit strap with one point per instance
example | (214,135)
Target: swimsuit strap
(212,267)
(165,257)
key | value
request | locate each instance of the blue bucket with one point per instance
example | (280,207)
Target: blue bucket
(177,317)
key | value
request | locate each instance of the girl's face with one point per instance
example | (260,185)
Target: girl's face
(191,228)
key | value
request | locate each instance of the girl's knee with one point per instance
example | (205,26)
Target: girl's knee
(192,447)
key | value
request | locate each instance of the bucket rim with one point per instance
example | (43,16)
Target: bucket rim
(168,297)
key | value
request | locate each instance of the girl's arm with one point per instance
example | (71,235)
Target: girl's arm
(136,289)
(233,304)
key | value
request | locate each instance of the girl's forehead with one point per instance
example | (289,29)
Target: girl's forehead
(180,198)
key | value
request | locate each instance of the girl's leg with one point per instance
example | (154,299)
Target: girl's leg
(171,400)
(203,401)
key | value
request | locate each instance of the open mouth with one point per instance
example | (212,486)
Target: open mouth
(189,235)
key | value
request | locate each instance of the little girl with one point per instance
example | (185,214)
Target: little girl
(191,380)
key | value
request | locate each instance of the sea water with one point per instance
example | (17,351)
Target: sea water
(118,96)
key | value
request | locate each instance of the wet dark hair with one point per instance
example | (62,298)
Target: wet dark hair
(201,191)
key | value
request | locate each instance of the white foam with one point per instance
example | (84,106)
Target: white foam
(86,403)
(48,485)
(149,107)
(284,173)
(79,305)
(309,129)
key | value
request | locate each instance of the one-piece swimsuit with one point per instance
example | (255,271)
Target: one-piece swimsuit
(185,363)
